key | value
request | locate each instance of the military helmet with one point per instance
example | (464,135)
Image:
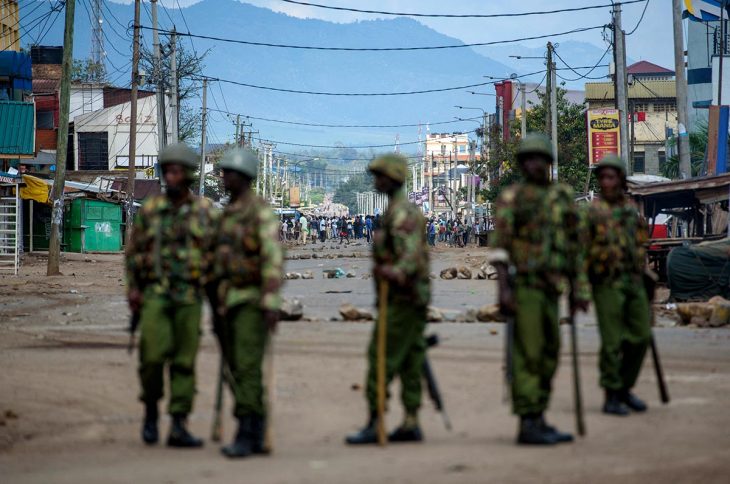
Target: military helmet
(392,165)
(181,154)
(535,144)
(242,160)
(611,161)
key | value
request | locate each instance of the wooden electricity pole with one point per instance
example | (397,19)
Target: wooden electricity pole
(54,245)
(131,173)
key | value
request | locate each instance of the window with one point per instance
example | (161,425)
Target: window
(639,158)
(94,151)
(662,159)
(665,107)
(462,149)
(44,120)
(641,107)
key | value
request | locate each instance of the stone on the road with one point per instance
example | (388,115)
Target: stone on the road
(291,310)
(490,313)
(351,313)
(449,273)
(463,272)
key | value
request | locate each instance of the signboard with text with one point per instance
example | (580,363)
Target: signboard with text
(603,133)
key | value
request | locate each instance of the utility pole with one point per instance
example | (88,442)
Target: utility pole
(174,119)
(54,246)
(523,108)
(201,189)
(97,42)
(133,125)
(161,125)
(548,89)
(553,110)
(430,185)
(237,140)
(619,47)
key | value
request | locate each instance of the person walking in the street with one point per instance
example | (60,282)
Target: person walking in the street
(322,229)
(248,271)
(616,264)
(167,264)
(536,251)
(303,230)
(401,259)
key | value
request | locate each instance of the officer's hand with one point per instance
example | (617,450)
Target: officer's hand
(507,304)
(271,318)
(134,298)
(580,304)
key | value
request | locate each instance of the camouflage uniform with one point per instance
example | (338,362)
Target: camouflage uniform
(248,270)
(169,260)
(401,244)
(615,266)
(538,231)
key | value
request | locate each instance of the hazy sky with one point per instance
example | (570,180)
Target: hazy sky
(652,41)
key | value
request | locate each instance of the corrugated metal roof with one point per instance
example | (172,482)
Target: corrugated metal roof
(45,86)
(17,129)
(639,90)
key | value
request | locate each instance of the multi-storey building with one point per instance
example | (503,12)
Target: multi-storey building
(9,26)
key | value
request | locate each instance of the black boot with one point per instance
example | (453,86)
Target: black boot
(179,435)
(409,431)
(367,435)
(533,433)
(258,431)
(633,402)
(242,445)
(150,434)
(560,437)
(613,404)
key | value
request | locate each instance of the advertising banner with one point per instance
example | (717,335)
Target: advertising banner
(603,133)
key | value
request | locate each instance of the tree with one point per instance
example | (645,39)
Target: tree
(190,67)
(87,71)
(572,146)
(697,145)
(346,193)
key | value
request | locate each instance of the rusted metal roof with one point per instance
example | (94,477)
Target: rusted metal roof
(17,129)
(596,91)
(45,86)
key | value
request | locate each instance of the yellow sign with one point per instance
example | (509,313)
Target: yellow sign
(294,201)
(603,133)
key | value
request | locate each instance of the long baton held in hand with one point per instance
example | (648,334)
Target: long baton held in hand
(577,395)
(381,339)
(216,431)
(270,393)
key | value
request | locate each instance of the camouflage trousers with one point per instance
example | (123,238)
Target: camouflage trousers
(405,352)
(246,339)
(536,349)
(622,309)
(170,334)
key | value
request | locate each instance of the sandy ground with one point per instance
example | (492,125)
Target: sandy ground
(68,409)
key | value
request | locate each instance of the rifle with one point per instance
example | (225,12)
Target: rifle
(133,325)
(577,394)
(432,385)
(650,280)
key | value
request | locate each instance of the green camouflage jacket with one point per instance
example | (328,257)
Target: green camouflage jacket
(540,231)
(618,235)
(171,247)
(401,243)
(249,260)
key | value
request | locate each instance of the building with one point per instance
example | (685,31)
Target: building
(653,100)
(447,155)
(9,26)
(17,110)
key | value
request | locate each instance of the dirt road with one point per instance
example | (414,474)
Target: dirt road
(68,409)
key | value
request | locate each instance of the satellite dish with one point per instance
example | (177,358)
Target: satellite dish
(513,75)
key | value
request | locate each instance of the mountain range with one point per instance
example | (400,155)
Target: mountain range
(313,70)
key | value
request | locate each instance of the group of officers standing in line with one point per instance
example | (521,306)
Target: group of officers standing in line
(182,250)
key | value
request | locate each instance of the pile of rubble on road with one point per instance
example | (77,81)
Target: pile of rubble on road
(462,272)
(315,255)
(710,314)
(486,313)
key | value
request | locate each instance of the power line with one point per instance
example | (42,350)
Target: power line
(586,74)
(322,125)
(375,49)
(335,146)
(640,19)
(363,94)
(452,15)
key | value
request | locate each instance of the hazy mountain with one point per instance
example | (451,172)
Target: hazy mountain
(305,69)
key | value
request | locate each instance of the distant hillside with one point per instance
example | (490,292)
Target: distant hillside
(308,69)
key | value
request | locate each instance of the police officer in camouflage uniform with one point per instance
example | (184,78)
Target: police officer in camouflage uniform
(400,254)
(616,264)
(536,252)
(167,263)
(248,275)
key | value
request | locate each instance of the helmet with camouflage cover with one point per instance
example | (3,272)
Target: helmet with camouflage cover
(611,161)
(242,160)
(392,165)
(181,154)
(535,144)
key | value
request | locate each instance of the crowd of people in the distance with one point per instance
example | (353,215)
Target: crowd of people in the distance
(455,232)
(313,229)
